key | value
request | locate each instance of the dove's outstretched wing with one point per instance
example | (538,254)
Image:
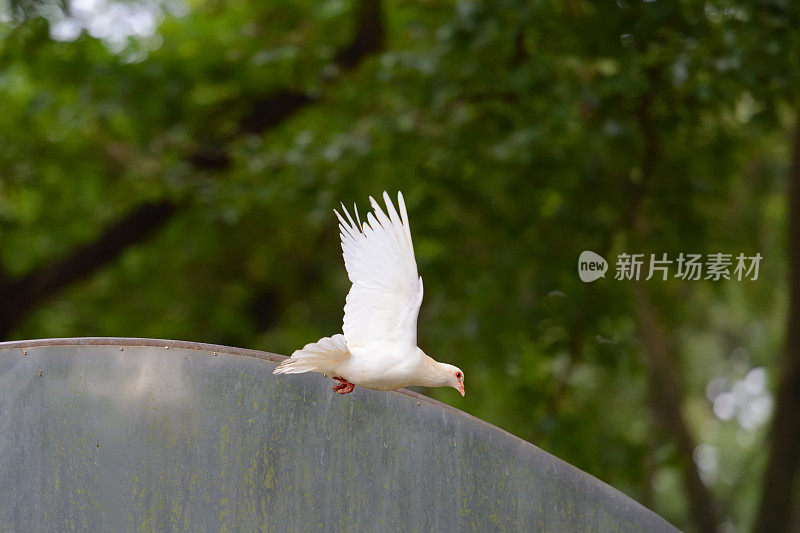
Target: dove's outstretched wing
(384,301)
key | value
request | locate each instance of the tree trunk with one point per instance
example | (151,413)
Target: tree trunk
(780,477)
(667,400)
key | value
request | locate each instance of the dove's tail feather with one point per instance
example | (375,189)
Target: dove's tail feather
(321,356)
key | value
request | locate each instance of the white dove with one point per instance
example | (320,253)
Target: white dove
(379,347)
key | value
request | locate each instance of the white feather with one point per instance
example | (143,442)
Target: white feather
(384,300)
(321,356)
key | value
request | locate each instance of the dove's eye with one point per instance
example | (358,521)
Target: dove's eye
(458,375)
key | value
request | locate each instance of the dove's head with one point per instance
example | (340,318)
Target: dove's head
(432,373)
(455,377)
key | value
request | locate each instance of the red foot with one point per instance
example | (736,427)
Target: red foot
(344,386)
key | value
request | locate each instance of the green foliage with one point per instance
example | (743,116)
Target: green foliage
(520,134)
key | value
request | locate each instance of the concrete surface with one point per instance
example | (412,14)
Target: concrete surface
(142,434)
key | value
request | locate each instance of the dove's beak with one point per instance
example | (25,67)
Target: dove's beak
(461,388)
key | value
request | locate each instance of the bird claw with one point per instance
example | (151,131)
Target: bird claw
(344,386)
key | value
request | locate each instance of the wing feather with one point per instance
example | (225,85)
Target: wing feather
(384,301)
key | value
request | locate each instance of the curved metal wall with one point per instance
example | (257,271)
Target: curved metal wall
(124,434)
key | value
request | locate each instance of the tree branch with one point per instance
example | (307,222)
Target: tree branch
(20,296)
(25,293)
(270,111)
(780,476)
(369,37)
